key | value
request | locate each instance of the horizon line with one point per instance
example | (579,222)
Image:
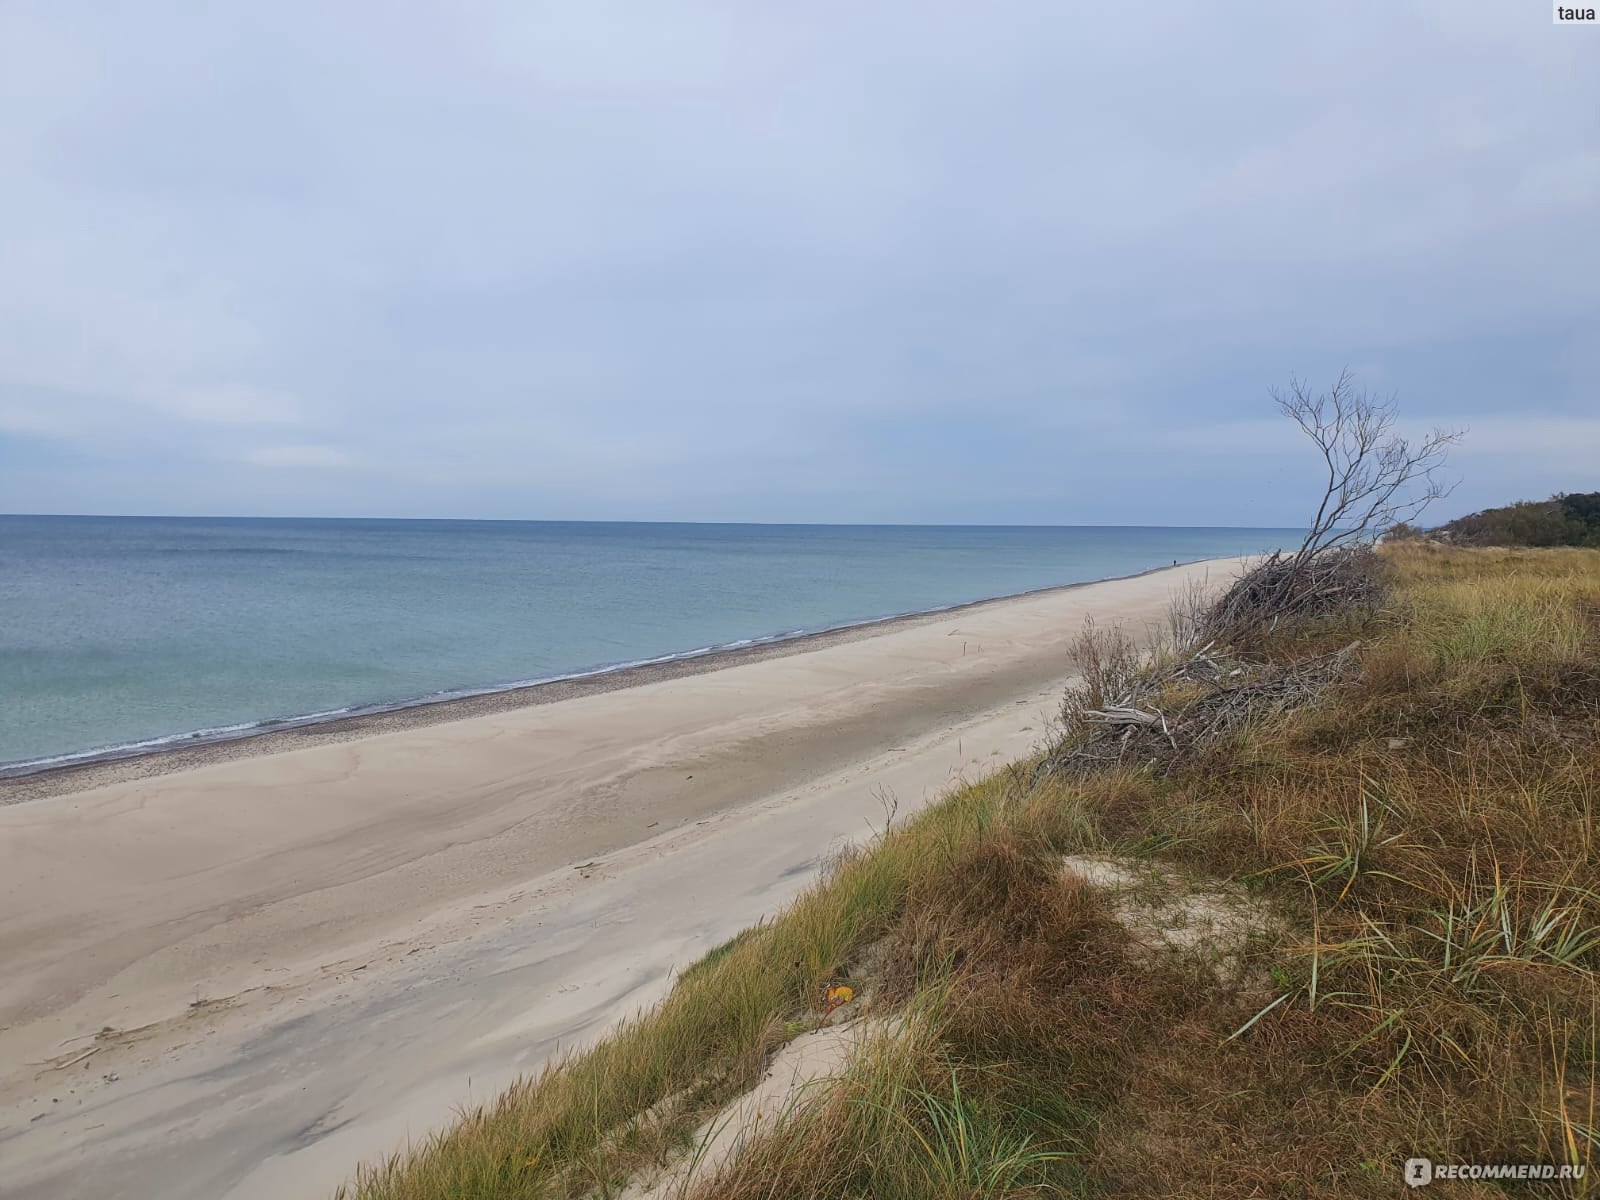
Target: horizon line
(629,521)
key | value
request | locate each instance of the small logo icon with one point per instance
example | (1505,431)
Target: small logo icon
(1419,1171)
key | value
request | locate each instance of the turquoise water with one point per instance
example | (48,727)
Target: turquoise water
(117,632)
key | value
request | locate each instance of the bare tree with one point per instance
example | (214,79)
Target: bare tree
(1375,477)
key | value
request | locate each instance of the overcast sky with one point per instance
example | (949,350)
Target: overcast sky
(1032,263)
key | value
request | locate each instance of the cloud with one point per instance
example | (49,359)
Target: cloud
(735,262)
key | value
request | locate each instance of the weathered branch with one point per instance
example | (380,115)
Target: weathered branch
(1375,477)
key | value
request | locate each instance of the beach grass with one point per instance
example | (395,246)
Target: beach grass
(1400,955)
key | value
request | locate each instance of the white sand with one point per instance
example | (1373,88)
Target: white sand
(300,959)
(792,1079)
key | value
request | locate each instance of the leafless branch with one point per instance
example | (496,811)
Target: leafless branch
(1374,477)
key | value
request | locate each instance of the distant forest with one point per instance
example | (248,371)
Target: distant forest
(1566,519)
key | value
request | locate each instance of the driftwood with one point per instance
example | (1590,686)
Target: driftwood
(1208,684)
(1225,694)
(1122,716)
(71,1062)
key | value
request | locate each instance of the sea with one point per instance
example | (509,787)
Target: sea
(125,635)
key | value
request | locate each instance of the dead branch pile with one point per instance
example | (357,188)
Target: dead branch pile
(1204,682)
(1166,714)
(1287,588)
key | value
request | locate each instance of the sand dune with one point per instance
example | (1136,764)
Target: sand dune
(240,978)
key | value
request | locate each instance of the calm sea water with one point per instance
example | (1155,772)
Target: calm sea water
(122,631)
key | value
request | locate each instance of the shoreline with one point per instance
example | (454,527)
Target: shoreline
(81,771)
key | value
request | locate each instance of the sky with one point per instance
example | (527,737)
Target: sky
(1031,263)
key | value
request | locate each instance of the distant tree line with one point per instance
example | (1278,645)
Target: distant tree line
(1566,519)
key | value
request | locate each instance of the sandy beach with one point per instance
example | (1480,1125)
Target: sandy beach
(238,971)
